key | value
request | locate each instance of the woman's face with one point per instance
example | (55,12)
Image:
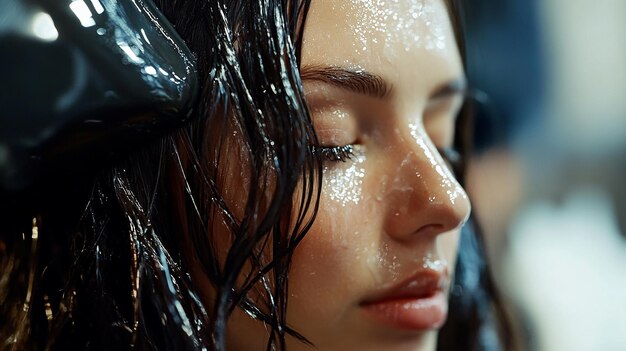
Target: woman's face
(384,80)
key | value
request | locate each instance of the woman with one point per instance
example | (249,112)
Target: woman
(311,203)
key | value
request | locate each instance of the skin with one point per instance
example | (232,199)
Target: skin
(393,207)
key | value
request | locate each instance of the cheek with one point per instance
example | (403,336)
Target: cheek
(331,262)
(330,258)
(448,245)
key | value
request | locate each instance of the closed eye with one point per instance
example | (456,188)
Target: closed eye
(335,153)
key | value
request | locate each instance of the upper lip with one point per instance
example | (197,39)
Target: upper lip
(422,284)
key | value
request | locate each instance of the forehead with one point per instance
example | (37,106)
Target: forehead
(404,41)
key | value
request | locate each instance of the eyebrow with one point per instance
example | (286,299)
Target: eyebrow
(366,83)
(358,81)
(453,87)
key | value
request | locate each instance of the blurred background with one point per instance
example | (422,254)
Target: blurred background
(548,174)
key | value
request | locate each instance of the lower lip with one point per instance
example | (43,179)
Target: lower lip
(411,313)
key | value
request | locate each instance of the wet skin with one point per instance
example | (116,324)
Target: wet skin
(390,208)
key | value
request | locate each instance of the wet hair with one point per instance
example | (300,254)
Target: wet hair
(112,268)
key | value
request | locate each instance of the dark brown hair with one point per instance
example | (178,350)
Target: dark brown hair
(111,270)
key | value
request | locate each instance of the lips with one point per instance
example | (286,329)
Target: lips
(417,303)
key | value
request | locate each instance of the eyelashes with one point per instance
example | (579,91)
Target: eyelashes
(335,153)
(346,152)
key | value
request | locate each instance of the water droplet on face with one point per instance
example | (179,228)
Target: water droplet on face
(345,185)
(340,114)
(436,264)
(453,189)
(398,22)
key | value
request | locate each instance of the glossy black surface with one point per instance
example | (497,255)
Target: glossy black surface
(84,81)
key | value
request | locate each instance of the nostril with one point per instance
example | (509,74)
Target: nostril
(430,230)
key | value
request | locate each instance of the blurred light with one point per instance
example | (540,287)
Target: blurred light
(163,72)
(43,27)
(150,70)
(565,268)
(145,37)
(83,13)
(587,54)
(130,53)
(97,6)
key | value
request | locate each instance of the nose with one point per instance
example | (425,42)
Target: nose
(422,197)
